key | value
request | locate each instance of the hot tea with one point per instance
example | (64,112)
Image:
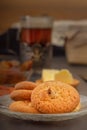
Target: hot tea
(36,35)
(35,38)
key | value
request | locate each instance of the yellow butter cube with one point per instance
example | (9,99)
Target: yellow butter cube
(49,74)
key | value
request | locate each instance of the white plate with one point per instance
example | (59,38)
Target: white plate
(5,101)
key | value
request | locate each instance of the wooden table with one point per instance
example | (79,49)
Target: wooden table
(7,123)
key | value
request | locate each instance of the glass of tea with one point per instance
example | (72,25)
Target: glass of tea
(35,41)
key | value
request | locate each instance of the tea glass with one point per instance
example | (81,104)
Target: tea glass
(35,41)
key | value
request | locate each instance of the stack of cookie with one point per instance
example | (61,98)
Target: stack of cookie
(22,97)
(47,98)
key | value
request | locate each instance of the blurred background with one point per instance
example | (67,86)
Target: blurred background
(69,37)
(69,17)
(11,11)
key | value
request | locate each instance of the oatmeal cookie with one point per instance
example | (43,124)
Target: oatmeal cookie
(28,85)
(22,106)
(21,95)
(55,97)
